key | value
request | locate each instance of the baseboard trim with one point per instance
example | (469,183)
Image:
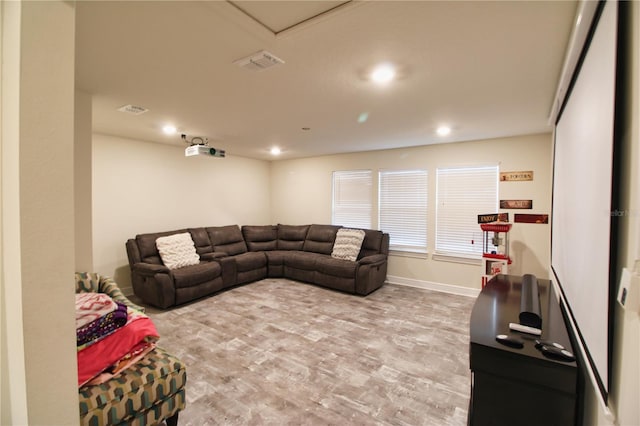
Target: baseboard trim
(430,285)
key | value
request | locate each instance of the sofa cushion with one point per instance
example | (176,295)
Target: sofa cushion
(320,238)
(260,238)
(152,389)
(291,237)
(227,239)
(177,251)
(301,260)
(336,267)
(372,243)
(250,260)
(147,245)
(194,275)
(276,257)
(201,240)
(347,244)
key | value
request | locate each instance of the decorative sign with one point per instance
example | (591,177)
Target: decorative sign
(495,217)
(516,204)
(532,218)
(516,176)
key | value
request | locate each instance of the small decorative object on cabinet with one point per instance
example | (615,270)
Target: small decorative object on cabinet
(495,249)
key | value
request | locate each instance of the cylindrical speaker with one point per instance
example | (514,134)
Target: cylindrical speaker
(530,302)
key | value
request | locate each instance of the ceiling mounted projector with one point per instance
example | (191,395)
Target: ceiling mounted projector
(200,146)
(203,150)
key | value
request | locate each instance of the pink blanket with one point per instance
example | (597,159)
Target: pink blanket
(91,306)
(101,355)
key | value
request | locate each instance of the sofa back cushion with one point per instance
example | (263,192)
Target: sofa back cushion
(260,238)
(372,243)
(291,237)
(201,240)
(320,238)
(227,239)
(147,245)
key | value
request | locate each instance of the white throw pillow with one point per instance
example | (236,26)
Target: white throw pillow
(348,243)
(177,251)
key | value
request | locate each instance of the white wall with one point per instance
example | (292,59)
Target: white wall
(141,187)
(82,182)
(301,193)
(39,372)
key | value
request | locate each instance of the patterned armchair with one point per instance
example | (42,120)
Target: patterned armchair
(148,393)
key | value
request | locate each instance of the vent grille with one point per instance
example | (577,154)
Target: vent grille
(133,109)
(259,61)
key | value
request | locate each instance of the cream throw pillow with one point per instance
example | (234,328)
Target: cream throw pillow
(177,250)
(347,244)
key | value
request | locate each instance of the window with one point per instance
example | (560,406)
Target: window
(352,198)
(462,194)
(403,209)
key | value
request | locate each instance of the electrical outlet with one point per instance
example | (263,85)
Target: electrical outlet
(629,289)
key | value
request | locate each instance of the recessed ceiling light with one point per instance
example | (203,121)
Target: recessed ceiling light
(275,151)
(383,74)
(443,130)
(169,129)
(363,117)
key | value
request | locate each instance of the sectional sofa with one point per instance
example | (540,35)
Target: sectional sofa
(232,255)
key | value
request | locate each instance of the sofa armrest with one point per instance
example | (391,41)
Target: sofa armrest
(229,270)
(208,257)
(110,287)
(373,259)
(149,269)
(371,273)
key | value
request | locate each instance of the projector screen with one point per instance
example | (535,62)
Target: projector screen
(581,243)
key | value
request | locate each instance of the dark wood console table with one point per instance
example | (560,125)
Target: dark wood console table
(512,386)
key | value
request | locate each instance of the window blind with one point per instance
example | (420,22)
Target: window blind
(462,194)
(352,198)
(402,210)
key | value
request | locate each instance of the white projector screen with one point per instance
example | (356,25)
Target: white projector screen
(582,213)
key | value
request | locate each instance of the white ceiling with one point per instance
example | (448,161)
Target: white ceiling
(487,69)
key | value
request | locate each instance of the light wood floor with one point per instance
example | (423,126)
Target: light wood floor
(279,352)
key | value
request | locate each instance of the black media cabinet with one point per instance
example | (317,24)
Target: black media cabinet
(512,386)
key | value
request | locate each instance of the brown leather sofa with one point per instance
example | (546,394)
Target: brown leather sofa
(230,256)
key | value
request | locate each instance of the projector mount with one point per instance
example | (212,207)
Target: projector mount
(195,140)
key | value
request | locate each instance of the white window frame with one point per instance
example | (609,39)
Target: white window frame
(352,199)
(462,193)
(402,208)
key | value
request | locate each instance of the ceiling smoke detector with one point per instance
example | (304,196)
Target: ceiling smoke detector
(133,109)
(259,61)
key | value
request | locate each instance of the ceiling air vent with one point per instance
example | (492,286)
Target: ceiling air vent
(259,61)
(133,109)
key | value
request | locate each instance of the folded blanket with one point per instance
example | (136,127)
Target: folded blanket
(91,306)
(96,358)
(102,327)
(136,354)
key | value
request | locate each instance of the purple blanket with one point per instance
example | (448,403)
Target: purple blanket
(101,327)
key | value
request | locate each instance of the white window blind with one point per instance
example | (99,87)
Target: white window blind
(352,198)
(403,209)
(462,194)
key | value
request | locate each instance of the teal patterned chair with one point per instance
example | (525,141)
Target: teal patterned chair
(148,393)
